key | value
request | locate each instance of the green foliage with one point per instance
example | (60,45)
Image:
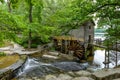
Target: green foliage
(109,16)
(1,1)
(8,26)
(2,54)
(36,40)
(55,17)
(68,16)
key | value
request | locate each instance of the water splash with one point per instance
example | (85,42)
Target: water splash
(29,64)
(38,67)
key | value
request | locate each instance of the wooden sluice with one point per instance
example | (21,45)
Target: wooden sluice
(105,47)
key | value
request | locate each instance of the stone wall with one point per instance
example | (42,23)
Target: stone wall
(107,74)
(8,73)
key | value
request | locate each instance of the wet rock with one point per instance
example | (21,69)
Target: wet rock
(64,77)
(92,69)
(8,52)
(104,74)
(66,57)
(6,48)
(53,53)
(35,78)
(71,74)
(50,77)
(83,73)
(29,79)
(50,56)
(34,53)
(117,79)
(82,78)
(18,47)
(25,79)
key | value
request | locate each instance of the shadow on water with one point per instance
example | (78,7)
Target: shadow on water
(40,67)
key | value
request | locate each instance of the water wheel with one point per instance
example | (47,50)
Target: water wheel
(77,48)
(79,51)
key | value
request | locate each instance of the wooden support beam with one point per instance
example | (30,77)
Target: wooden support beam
(105,47)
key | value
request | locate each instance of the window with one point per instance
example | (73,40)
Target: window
(89,27)
(90,37)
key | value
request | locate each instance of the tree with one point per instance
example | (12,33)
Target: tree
(45,18)
(9,26)
(30,20)
(109,14)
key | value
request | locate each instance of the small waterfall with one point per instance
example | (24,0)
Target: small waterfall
(38,67)
(29,64)
(99,57)
(34,67)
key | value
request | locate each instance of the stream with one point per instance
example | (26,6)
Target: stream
(38,67)
(99,58)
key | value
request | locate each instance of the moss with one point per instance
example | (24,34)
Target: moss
(52,48)
(98,48)
(8,60)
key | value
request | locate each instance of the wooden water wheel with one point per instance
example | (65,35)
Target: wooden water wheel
(77,48)
(66,44)
(79,52)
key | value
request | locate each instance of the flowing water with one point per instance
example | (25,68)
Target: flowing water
(37,67)
(99,58)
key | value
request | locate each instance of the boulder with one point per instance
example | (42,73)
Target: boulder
(82,78)
(71,73)
(117,79)
(64,77)
(49,56)
(53,53)
(83,73)
(24,79)
(50,77)
(66,57)
(104,74)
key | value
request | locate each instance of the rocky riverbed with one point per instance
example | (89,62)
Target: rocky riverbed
(78,75)
(48,59)
(62,67)
(104,74)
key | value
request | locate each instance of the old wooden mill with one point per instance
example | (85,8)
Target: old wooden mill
(79,41)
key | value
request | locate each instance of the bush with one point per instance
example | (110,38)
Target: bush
(35,41)
(34,45)
(25,45)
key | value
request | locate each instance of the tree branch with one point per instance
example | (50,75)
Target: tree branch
(104,5)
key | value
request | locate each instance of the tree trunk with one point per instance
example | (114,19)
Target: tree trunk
(30,20)
(9,5)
